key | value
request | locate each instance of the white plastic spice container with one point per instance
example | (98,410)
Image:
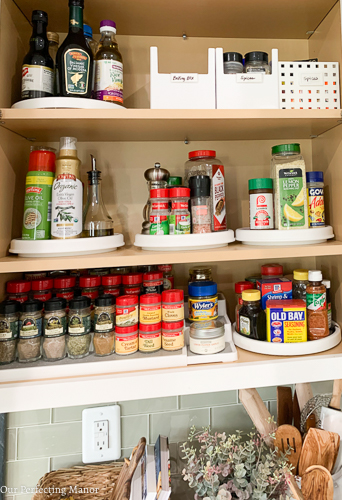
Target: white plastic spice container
(207,337)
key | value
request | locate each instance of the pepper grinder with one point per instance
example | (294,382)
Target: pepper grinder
(156,178)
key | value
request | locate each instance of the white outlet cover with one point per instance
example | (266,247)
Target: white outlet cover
(90,451)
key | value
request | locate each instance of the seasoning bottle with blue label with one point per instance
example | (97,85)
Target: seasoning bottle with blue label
(203,301)
(252,317)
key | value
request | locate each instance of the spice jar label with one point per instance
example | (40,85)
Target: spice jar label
(79,324)
(30,327)
(173,312)
(150,314)
(54,326)
(291,198)
(149,342)
(179,224)
(127,316)
(104,322)
(316,301)
(173,341)
(8,329)
(126,344)
(261,211)
(218,199)
(169,282)
(159,224)
(316,207)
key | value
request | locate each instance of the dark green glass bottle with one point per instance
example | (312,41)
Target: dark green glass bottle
(75,58)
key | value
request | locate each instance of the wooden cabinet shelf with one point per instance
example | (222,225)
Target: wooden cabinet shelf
(169,125)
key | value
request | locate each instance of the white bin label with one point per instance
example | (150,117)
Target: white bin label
(250,78)
(311,79)
(184,77)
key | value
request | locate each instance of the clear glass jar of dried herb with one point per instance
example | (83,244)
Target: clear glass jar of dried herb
(55,326)
(30,331)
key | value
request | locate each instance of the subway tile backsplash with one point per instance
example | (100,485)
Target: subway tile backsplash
(45,440)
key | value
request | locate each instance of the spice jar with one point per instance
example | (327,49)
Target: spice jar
(257,62)
(153,282)
(180,216)
(126,339)
(132,284)
(150,309)
(207,337)
(104,313)
(42,289)
(173,305)
(99,272)
(172,335)
(261,213)
(79,316)
(252,318)
(240,286)
(90,287)
(253,279)
(39,275)
(30,331)
(315,190)
(64,287)
(127,310)
(18,290)
(149,338)
(203,301)
(111,284)
(271,271)
(316,303)
(200,273)
(55,328)
(232,63)
(169,280)
(120,270)
(299,283)
(8,350)
(200,204)
(78,345)
(104,343)
(9,327)
(159,214)
(327,285)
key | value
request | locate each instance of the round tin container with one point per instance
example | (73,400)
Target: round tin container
(207,337)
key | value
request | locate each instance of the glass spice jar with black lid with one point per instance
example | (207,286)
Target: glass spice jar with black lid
(252,318)
(9,320)
(55,326)
(30,331)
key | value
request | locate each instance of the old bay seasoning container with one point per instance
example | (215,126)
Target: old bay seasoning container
(203,301)
(173,305)
(126,339)
(172,335)
(127,310)
(150,309)
(261,213)
(153,282)
(149,337)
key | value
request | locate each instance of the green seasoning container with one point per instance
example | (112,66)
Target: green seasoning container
(38,194)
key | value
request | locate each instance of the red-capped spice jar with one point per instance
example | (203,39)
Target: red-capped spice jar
(169,280)
(240,286)
(90,287)
(35,275)
(126,339)
(172,335)
(153,282)
(127,310)
(150,338)
(64,287)
(271,271)
(173,305)
(150,309)
(179,219)
(111,284)
(42,289)
(18,290)
(132,284)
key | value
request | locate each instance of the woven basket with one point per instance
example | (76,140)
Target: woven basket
(89,482)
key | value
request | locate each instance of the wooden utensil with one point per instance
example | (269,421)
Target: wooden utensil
(317,484)
(258,413)
(287,437)
(284,406)
(304,393)
(296,493)
(122,488)
(319,448)
(331,418)
(296,412)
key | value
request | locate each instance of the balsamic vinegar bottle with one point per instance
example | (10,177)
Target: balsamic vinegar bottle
(37,71)
(75,57)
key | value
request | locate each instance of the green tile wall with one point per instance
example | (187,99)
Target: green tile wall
(44,440)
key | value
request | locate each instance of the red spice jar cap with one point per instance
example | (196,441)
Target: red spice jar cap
(127,300)
(18,286)
(65,282)
(150,298)
(42,160)
(159,193)
(132,279)
(112,280)
(180,192)
(166,268)
(156,275)
(172,325)
(120,330)
(90,281)
(240,286)
(202,153)
(45,284)
(271,269)
(173,296)
(150,328)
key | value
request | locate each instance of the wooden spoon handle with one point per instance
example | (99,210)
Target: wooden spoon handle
(296,493)
(304,394)
(336,397)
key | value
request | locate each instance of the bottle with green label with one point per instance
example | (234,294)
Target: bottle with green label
(75,57)
(38,194)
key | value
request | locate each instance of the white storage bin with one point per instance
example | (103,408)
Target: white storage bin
(247,90)
(309,85)
(182,90)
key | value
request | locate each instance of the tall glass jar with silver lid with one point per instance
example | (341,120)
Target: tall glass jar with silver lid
(257,62)
(232,63)
(207,337)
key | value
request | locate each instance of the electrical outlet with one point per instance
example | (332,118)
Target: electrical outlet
(101,439)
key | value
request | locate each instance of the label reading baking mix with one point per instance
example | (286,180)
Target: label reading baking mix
(286,321)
